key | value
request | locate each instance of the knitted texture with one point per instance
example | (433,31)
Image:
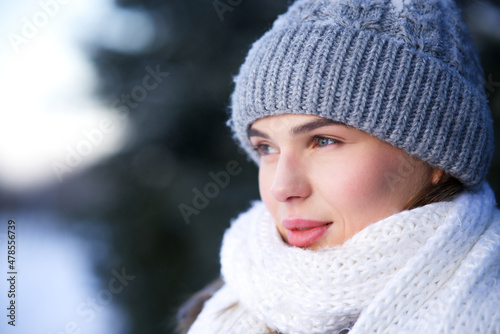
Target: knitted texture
(406,72)
(434,269)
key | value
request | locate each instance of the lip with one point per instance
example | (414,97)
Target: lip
(305,232)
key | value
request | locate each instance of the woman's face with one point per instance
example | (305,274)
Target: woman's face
(323,181)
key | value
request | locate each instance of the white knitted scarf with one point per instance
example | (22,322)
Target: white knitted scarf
(433,269)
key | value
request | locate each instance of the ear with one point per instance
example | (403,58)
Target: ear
(436,175)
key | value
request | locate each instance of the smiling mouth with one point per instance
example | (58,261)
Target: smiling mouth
(310,228)
(304,233)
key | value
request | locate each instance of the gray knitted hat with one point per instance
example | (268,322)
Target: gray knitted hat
(404,71)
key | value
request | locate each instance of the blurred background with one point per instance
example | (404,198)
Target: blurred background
(115,161)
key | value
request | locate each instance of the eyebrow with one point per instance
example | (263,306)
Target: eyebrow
(299,129)
(310,126)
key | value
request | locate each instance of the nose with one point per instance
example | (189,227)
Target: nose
(291,181)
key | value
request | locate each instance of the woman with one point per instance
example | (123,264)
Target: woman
(373,138)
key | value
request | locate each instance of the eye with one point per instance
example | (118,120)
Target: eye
(264,149)
(325,141)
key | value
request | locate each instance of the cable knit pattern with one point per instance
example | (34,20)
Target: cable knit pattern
(404,71)
(434,269)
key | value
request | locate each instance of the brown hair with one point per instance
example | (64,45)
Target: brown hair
(445,189)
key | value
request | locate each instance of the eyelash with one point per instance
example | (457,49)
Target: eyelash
(259,148)
(316,140)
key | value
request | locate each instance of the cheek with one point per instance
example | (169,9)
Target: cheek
(359,188)
(266,178)
(368,179)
